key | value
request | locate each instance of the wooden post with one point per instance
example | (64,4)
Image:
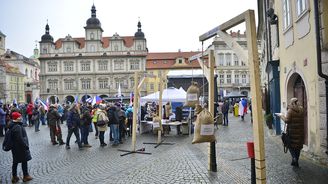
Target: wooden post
(254,64)
(160,107)
(212,152)
(135,111)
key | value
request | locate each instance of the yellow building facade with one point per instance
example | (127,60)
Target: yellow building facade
(294,46)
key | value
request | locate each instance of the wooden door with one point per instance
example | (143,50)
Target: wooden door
(300,94)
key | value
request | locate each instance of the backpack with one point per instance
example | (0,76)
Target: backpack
(7,144)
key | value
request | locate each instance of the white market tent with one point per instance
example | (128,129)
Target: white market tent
(169,95)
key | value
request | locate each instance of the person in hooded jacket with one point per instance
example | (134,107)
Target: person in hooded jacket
(295,129)
(73,125)
(20,151)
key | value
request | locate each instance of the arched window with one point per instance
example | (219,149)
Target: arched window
(31,74)
(26,74)
(92,36)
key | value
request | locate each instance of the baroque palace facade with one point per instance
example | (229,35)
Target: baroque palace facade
(94,65)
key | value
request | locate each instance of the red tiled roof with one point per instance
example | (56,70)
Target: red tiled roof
(127,40)
(167,60)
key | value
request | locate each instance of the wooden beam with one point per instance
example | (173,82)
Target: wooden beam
(223,27)
(231,43)
(135,111)
(256,96)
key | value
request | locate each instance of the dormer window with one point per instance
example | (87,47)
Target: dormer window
(44,50)
(115,48)
(180,61)
(92,36)
(139,47)
(68,49)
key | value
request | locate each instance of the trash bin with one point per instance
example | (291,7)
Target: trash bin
(236,110)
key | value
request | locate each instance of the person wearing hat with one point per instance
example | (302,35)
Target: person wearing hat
(2,120)
(20,151)
(295,128)
(73,125)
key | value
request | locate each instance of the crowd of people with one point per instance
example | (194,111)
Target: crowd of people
(81,119)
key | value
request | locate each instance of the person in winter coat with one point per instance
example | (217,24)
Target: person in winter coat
(20,151)
(114,124)
(53,119)
(85,125)
(73,125)
(225,112)
(295,129)
(2,120)
(29,111)
(101,115)
(129,116)
(36,118)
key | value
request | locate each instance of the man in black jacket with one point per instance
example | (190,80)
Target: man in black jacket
(53,119)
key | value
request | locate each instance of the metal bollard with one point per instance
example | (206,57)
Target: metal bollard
(251,155)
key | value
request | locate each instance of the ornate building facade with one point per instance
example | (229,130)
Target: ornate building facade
(233,73)
(21,75)
(93,65)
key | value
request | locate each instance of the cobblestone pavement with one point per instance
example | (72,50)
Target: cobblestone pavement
(178,163)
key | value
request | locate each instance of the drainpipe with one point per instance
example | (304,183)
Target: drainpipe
(319,60)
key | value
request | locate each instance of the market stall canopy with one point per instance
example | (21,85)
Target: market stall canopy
(235,94)
(169,95)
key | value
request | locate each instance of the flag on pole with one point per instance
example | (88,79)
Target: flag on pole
(119,92)
(76,99)
(96,100)
(131,98)
(43,104)
(89,100)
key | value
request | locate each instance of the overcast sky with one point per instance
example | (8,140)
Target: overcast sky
(169,25)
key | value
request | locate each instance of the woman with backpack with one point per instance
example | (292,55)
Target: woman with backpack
(20,147)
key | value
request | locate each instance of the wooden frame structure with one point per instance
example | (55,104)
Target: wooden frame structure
(249,18)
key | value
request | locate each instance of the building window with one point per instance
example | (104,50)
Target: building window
(221,59)
(243,63)
(52,67)
(236,79)
(134,65)
(139,47)
(53,85)
(228,79)
(68,66)
(243,80)
(103,84)
(118,65)
(85,66)
(286,13)
(180,61)
(103,65)
(92,36)
(44,50)
(151,86)
(154,62)
(68,49)
(228,59)
(221,79)
(301,7)
(86,84)
(26,74)
(235,59)
(68,84)
(92,48)
(115,48)
(165,61)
